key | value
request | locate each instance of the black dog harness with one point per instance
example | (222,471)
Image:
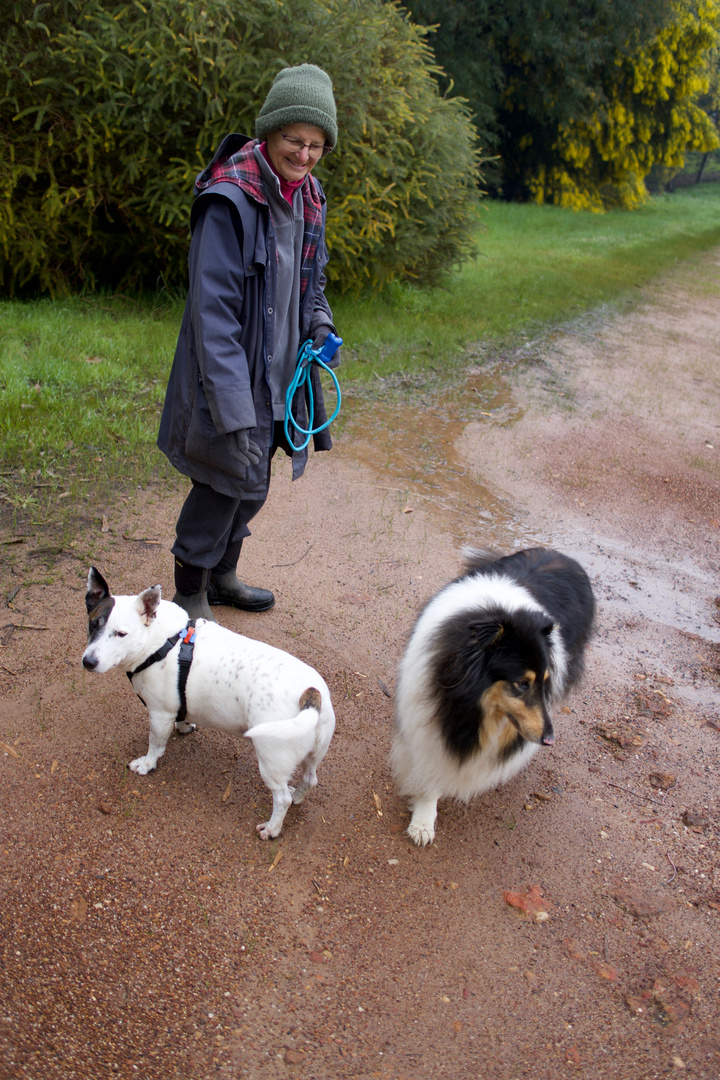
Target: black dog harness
(187,644)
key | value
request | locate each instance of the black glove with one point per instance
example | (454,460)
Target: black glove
(319,340)
(242,448)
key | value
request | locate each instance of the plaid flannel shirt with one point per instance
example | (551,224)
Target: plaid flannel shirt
(243,169)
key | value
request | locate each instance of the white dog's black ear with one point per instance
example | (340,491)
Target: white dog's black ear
(97,589)
(147,603)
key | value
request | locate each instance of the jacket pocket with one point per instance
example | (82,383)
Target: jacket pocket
(205,444)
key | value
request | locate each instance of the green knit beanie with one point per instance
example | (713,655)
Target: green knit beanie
(299,95)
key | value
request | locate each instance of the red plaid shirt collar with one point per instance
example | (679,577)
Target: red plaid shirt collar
(243,169)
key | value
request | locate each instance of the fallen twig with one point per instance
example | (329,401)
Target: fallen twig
(383,687)
(674,873)
(671,788)
(292,563)
(142,540)
(647,798)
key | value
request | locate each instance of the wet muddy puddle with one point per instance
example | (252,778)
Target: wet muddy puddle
(414,445)
(411,443)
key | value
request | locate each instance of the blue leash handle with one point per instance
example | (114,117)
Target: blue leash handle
(306,356)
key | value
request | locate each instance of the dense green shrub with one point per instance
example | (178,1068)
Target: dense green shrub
(108,110)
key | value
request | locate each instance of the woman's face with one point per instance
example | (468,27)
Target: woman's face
(291,160)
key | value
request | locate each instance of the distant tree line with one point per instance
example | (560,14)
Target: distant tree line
(578,101)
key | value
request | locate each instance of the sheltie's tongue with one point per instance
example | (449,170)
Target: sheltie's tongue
(548,740)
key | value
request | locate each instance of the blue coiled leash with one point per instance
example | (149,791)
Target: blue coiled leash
(307,356)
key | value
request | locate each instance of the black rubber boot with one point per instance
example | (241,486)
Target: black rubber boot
(197,605)
(227,589)
(191,584)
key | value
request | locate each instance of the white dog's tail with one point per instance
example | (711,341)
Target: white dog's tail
(297,727)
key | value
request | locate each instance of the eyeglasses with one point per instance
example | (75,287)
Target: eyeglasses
(314,149)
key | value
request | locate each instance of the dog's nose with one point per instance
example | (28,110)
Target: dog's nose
(90,663)
(548,735)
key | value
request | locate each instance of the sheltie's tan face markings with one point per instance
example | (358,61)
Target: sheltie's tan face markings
(514,707)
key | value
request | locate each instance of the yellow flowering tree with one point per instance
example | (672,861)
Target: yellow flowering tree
(647,114)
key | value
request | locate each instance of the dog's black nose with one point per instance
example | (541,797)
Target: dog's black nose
(90,663)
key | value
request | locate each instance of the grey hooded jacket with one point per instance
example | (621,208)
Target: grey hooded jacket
(218,382)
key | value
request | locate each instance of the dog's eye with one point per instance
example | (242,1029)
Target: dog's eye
(119,633)
(522,686)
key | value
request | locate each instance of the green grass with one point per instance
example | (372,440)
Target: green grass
(82,384)
(82,380)
(536,266)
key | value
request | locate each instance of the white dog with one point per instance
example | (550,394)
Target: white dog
(224,681)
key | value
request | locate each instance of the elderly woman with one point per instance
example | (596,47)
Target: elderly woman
(256,292)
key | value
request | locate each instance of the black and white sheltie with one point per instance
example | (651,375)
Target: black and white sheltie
(488,657)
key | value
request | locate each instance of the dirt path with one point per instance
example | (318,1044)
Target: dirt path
(145,931)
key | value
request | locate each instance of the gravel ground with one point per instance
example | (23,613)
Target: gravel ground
(566,924)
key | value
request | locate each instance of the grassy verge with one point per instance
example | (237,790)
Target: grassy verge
(536,265)
(82,385)
(83,380)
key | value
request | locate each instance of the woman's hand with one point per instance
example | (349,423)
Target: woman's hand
(242,448)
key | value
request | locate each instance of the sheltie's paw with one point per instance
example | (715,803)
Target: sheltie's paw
(421,829)
(420,834)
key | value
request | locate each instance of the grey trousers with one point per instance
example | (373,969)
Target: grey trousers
(211,528)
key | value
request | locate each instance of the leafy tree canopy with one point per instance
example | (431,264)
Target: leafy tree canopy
(109,109)
(546,79)
(647,114)
(542,57)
